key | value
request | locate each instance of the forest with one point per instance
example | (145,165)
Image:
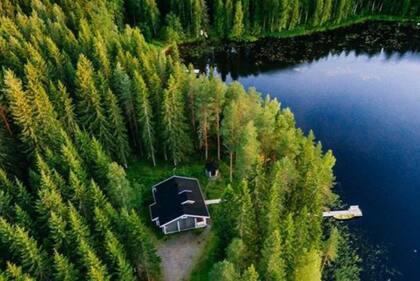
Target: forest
(175,20)
(86,89)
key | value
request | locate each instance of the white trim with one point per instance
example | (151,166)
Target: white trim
(188,202)
(177,225)
(150,212)
(184,190)
(184,217)
(185,229)
(204,224)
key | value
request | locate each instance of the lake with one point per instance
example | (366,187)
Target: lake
(358,89)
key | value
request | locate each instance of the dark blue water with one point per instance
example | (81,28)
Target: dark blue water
(367,110)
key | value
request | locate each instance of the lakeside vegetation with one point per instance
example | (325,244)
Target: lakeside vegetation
(92,115)
(238,20)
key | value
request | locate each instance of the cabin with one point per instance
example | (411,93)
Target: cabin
(212,169)
(178,205)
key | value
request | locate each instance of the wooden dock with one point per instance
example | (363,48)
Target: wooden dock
(353,212)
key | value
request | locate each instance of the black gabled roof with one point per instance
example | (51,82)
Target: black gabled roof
(169,198)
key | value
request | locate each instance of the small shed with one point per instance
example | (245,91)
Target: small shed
(212,169)
(178,205)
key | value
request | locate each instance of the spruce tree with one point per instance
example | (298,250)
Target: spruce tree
(247,151)
(175,128)
(250,274)
(14,272)
(223,271)
(236,254)
(90,103)
(119,263)
(238,21)
(140,248)
(219,17)
(330,248)
(120,147)
(122,86)
(308,267)
(22,111)
(246,227)
(226,214)
(64,270)
(118,187)
(318,13)
(24,249)
(327,11)
(145,117)
(272,264)
(231,132)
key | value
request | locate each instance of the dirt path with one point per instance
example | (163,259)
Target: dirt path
(179,254)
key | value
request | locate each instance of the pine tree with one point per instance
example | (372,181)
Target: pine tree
(318,13)
(203,114)
(67,116)
(250,274)
(120,147)
(226,214)
(236,254)
(64,270)
(23,219)
(120,265)
(326,11)
(272,265)
(286,13)
(246,227)
(289,251)
(266,125)
(331,248)
(58,231)
(228,16)
(25,249)
(247,151)
(231,132)
(79,231)
(118,187)
(122,86)
(102,222)
(96,270)
(295,14)
(21,110)
(216,105)
(90,102)
(223,271)
(308,267)
(198,15)
(101,55)
(174,125)
(14,272)
(219,17)
(145,117)
(140,248)
(238,21)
